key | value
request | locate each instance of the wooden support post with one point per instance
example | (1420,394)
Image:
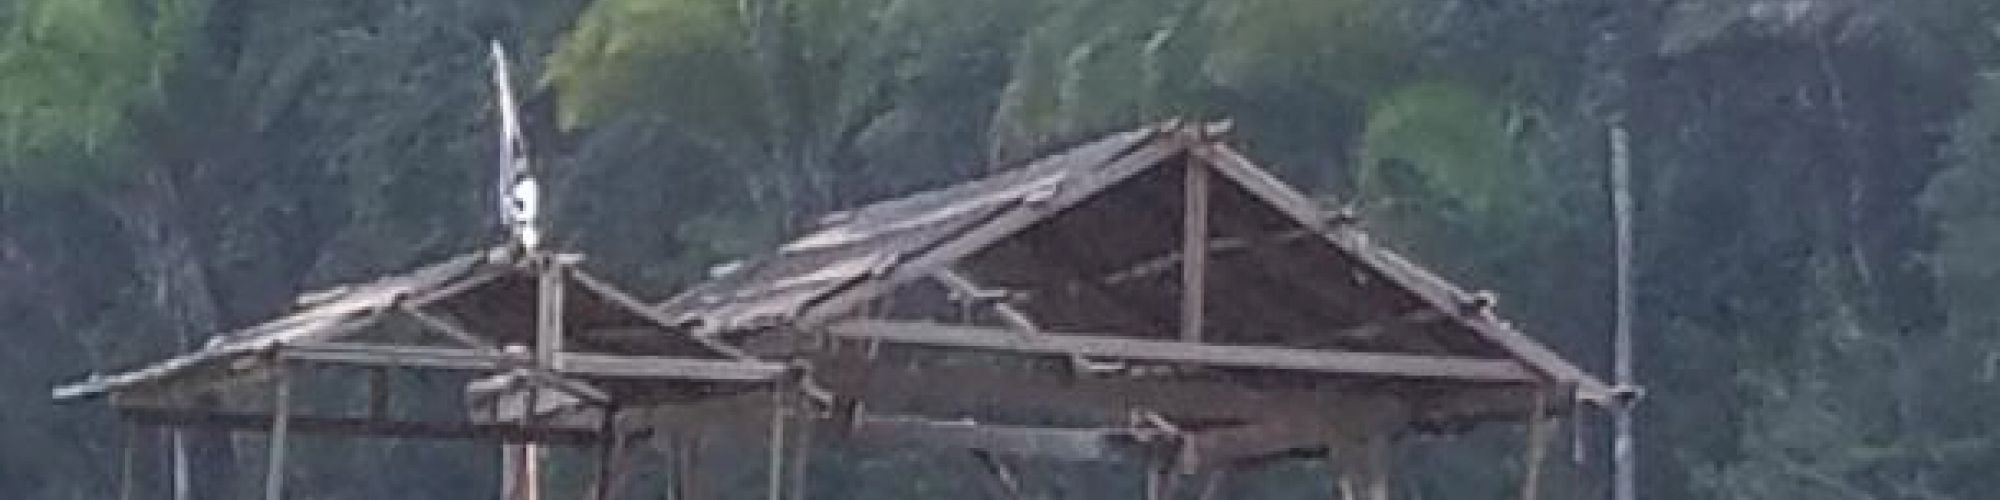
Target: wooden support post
(1159,479)
(686,452)
(281,422)
(177,461)
(378,393)
(1363,467)
(510,466)
(548,356)
(1624,468)
(549,317)
(1194,246)
(610,447)
(801,443)
(775,474)
(1538,430)
(1378,462)
(531,471)
(127,455)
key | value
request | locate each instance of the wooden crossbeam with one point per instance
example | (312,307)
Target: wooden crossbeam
(1223,446)
(361,426)
(1212,355)
(1054,443)
(1433,290)
(588,365)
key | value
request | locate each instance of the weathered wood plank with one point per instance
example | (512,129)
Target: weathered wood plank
(1065,444)
(1223,446)
(1257,357)
(651,314)
(313,424)
(588,365)
(1007,223)
(1435,291)
(281,426)
(1194,245)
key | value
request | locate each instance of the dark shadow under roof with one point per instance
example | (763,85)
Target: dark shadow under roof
(1088,240)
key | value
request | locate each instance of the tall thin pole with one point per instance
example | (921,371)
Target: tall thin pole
(183,485)
(127,452)
(281,424)
(781,405)
(1623,467)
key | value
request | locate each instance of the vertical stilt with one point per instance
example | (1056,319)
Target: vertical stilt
(183,485)
(531,472)
(780,412)
(127,455)
(1363,467)
(378,393)
(281,424)
(1538,436)
(1379,460)
(801,443)
(1159,480)
(510,459)
(610,446)
(1343,480)
(1623,466)
(686,452)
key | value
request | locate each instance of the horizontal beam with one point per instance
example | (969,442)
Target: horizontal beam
(893,386)
(1216,447)
(1209,355)
(1051,443)
(353,426)
(587,365)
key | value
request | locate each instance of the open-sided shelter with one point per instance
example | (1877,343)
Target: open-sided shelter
(1151,296)
(551,354)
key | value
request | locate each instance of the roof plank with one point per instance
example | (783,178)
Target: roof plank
(1227,356)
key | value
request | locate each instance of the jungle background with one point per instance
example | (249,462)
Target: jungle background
(1817,186)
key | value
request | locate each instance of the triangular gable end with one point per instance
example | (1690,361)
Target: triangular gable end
(483,301)
(1089,235)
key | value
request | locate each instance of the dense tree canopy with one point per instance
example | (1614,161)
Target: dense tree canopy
(1816,183)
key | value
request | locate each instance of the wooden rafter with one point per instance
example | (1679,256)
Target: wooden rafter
(1225,356)
(1005,223)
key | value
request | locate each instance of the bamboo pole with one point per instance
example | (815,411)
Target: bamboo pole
(1623,463)
(775,473)
(127,455)
(177,460)
(1537,447)
(281,423)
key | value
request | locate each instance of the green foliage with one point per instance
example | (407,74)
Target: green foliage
(1355,49)
(1814,315)
(73,73)
(1452,140)
(1090,66)
(688,58)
